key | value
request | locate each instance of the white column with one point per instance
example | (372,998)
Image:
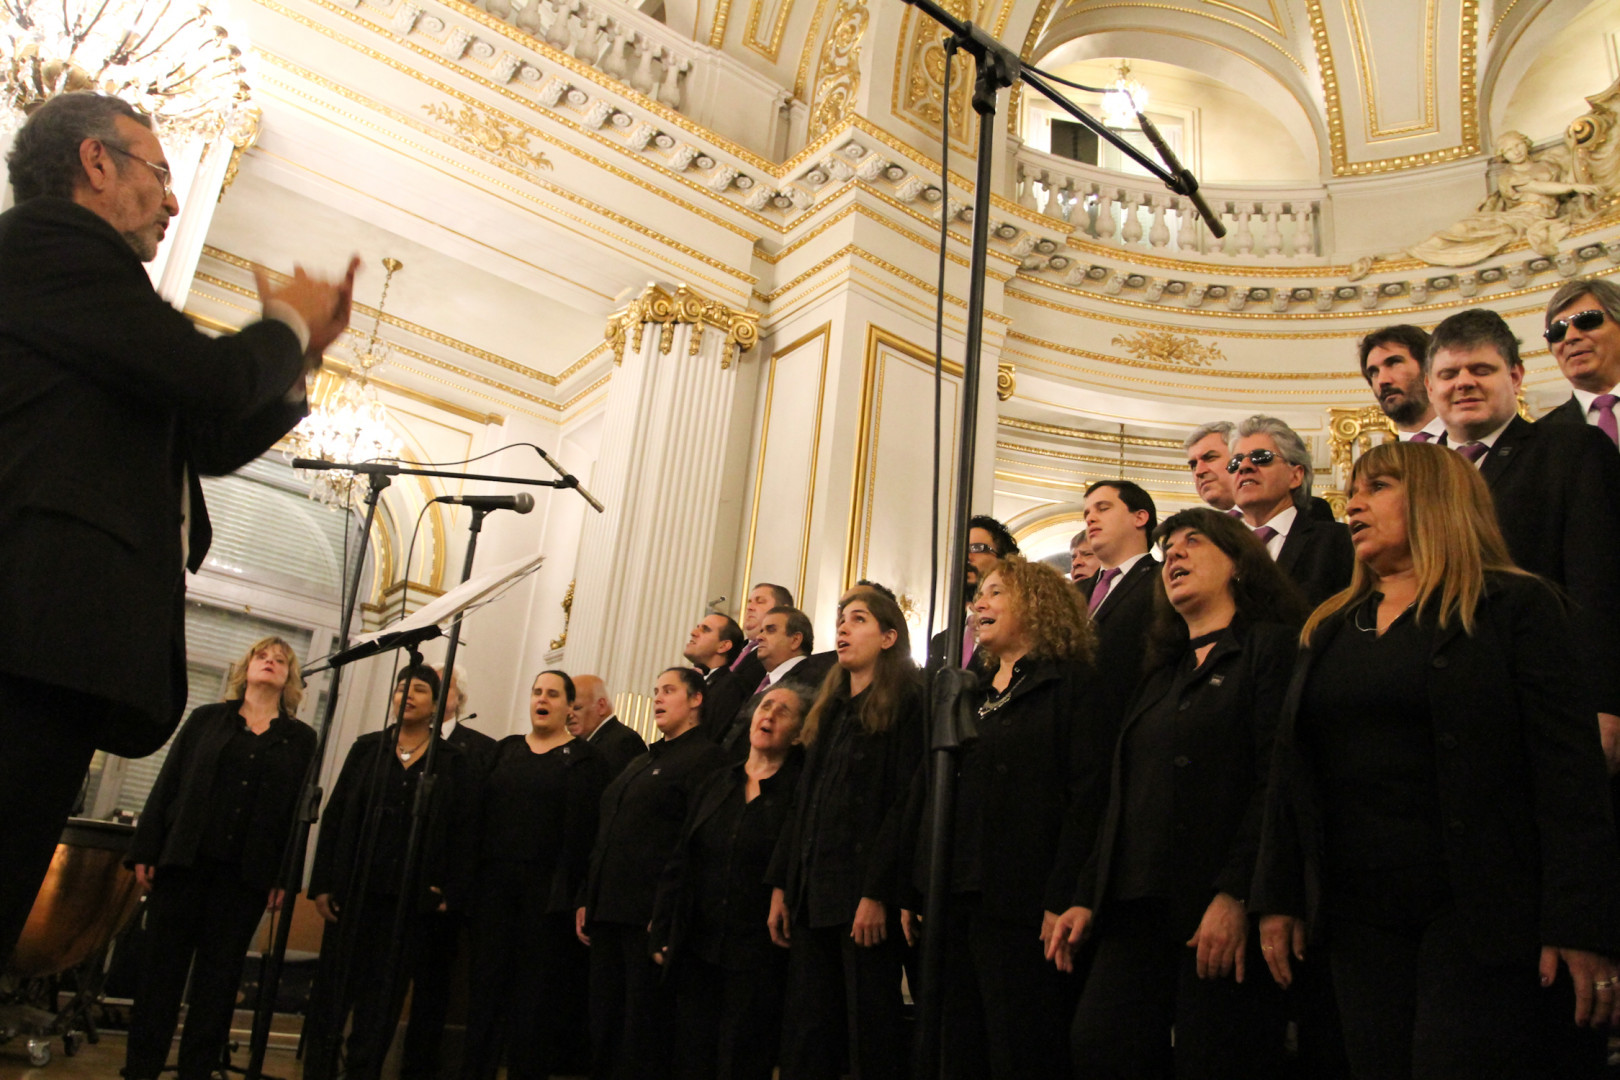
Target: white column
(669,431)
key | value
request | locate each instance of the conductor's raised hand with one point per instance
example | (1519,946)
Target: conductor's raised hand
(325,306)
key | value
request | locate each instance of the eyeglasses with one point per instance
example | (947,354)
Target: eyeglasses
(162,171)
(1257,457)
(1584,321)
(981,549)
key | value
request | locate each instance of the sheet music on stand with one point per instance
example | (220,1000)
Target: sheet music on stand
(462,600)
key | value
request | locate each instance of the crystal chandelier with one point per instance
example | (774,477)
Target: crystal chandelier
(172,60)
(350,423)
(1128,97)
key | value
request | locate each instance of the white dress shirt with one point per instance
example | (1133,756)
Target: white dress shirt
(1435,428)
(1282,521)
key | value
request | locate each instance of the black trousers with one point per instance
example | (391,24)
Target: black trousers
(1417,1005)
(528,990)
(199,919)
(843,1000)
(729,1021)
(443,933)
(632,1007)
(47,750)
(361,991)
(1144,984)
(1006,1011)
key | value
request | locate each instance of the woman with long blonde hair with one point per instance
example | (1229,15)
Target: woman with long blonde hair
(836,871)
(209,846)
(1439,805)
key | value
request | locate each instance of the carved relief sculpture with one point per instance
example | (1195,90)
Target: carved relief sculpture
(1161,347)
(666,311)
(838,75)
(924,82)
(1538,196)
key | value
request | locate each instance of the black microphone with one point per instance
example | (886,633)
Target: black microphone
(522,502)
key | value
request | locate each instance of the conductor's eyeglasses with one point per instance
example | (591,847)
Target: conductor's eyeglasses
(161,170)
(1584,321)
(1258,457)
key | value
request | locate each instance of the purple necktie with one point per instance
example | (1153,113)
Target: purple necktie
(1234,513)
(1422,436)
(969,638)
(1473,451)
(1104,583)
(764,685)
(748,650)
(1264,534)
(1604,404)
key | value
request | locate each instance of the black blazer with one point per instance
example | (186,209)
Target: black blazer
(1225,725)
(447,853)
(1040,767)
(640,822)
(854,834)
(478,747)
(679,886)
(1528,833)
(1122,624)
(1557,492)
(107,392)
(749,672)
(1317,556)
(179,807)
(805,677)
(1569,412)
(723,691)
(619,744)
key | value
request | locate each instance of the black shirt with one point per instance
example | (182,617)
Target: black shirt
(239,773)
(727,856)
(525,803)
(1148,778)
(1365,718)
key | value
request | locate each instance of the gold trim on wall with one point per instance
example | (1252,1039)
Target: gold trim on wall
(1369,88)
(824,331)
(770,48)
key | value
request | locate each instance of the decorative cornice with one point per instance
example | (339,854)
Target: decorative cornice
(655,305)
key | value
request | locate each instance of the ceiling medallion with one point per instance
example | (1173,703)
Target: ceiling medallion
(1161,347)
(490,134)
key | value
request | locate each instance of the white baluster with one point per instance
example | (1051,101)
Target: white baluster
(585,35)
(1026,189)
(1272,241)
(528,20)
(613,65)
(558,34)
(1159,234)
(642,78)
(1243,234)
(1053,208)
(670,91)
(1107,228)
(1305,230)
(1131,234)
(1187,234)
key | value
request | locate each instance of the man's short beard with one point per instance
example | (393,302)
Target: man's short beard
(1407,411)
(145,249)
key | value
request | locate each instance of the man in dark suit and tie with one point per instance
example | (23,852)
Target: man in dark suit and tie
(111,405)
(1556,487)
(1120,519)
(761,598)
(786,642)
(1273,469)
(713,644)
(1392,363)
(1209,448)
(593,720)
(1583,332)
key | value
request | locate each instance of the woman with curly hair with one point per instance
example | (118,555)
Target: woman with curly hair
(835,873)
(1167,882)
(1030,791)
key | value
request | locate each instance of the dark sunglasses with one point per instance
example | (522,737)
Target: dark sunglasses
(1258,457)
(981,549)
(1584,321)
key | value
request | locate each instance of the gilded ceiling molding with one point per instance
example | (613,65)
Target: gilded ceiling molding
(1090,459)
(838,75)
(722,13)
(919,74)
(1369,89)
(1111,438)
(561,641)
(1006,381)
(1501,18)
(801,81)
(1173,349)
(684,307)
(770,48)
(1350,434)
(1180,369)
(243,136)
(1200,394)
(491,134)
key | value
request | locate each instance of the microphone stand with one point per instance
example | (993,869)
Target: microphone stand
(951,725)
(379,475)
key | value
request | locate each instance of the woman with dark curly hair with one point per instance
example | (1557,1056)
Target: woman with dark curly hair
(1167,882)
(1030,792)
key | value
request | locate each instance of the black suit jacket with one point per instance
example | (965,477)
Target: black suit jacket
(1569,412)
(723,691)
(180,805)
(1317,556)
(1528,833)
(1122,626)
(1557,492)
(749,671)
(805,677)
(478,748)
(1225,724)
(107,397)
(618,743)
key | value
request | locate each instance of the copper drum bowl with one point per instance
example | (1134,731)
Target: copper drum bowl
(86,898)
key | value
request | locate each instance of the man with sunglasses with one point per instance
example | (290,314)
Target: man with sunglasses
(1273,469)
(1583,332)
(988,542)
(114,404)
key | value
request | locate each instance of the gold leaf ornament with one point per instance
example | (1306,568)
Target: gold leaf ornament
(491,135)
(1162,347)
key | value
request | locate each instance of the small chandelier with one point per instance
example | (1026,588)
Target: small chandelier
(350,423)
(173,61)
(1128,97)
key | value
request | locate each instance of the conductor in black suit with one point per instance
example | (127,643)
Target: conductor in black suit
(114,404)
(593,721)
(1556,487)
(1273,469)
(1583,332)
